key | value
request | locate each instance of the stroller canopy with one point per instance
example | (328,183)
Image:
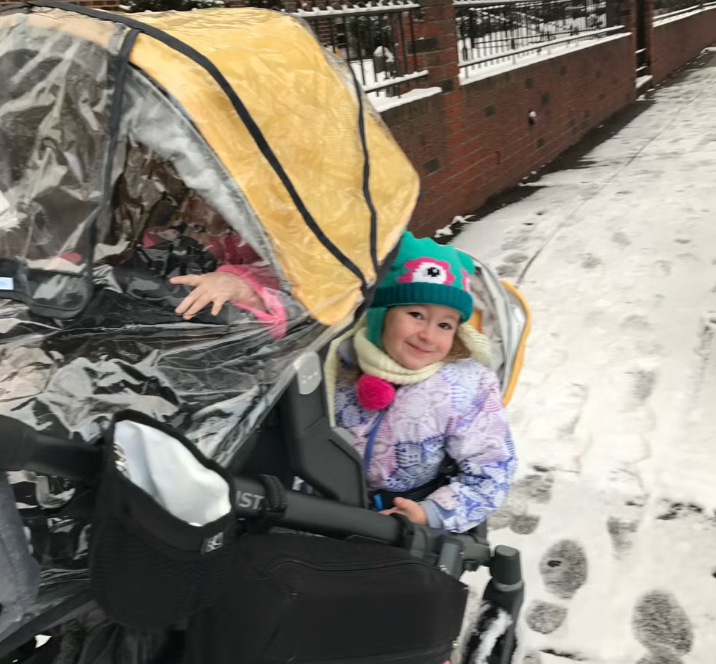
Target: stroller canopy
(248,108)
(137,149)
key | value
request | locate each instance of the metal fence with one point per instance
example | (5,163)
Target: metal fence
(377,38)
(497,32)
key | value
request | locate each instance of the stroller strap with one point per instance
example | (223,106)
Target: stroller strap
(384,500)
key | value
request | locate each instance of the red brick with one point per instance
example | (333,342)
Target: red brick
(481,153)
(675,43)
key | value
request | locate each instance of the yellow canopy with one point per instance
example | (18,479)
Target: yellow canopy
(309,119)
(296,153)
(282,115)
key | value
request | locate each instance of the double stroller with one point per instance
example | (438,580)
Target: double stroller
(172,490)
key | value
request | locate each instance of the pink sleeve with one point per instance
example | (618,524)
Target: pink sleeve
(72,257)
(276,314)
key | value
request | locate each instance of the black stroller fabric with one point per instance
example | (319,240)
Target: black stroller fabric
(149,568)
(294,598)
(145,277)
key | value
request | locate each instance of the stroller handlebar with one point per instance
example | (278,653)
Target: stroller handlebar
(453,553)
(24,448)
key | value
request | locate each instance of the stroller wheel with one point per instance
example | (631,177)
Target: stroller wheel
(493,639)
(32,653)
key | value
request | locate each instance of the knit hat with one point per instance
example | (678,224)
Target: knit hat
(424,272)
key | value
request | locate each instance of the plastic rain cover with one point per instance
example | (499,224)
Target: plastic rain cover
(104,197)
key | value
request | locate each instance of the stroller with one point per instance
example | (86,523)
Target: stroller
(135,150)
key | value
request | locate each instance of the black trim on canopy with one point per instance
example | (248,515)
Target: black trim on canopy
(238,105)
(366,176)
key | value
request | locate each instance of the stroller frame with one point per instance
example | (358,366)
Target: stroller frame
(296,439)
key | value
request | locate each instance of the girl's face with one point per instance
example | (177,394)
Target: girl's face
(418,335)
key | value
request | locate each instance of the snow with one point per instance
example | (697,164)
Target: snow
(384,52)
(548,50)
(396,80)
(614,415)
(316,12)
(365,72)
(494,630)
(644,82)
(384,103)
(678,15)
(366,75)
(446,231)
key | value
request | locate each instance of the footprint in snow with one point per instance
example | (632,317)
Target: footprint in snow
(533,489)
(621,531)
(516,258)
(524,524)
(622,239)
(507,269)
(664,267)
(537,486)
(590,262)
(644,382)
(660,658)
(545,617)
(672,511)
(636,322)
(563,569)
(662,626)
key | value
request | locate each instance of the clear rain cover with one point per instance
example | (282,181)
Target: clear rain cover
(96,215)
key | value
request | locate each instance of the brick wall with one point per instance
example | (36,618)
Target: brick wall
(677,41)
(475,140)
(470,142)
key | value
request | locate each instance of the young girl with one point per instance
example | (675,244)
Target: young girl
(412,385)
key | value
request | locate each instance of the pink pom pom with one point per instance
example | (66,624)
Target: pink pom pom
(374,393)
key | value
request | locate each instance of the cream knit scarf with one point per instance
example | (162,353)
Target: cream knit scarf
(375,362)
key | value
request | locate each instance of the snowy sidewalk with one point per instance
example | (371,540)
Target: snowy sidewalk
(615,413)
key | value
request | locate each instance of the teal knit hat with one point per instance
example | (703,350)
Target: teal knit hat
(424,272)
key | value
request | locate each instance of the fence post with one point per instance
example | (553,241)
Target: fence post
(649,31)
(637,16)
(436,44)
(613,13)
(626,12)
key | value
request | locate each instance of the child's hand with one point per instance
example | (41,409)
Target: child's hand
(410,509)
(217,288)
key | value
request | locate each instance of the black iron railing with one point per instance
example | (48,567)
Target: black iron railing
(490,32)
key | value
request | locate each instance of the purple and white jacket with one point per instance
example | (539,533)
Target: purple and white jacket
(457,412)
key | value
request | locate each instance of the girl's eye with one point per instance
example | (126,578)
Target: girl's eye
(446,326)
(416,314)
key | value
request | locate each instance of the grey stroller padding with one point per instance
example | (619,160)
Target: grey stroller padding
(20,578)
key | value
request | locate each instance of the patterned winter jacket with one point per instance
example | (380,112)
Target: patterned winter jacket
(458,411)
